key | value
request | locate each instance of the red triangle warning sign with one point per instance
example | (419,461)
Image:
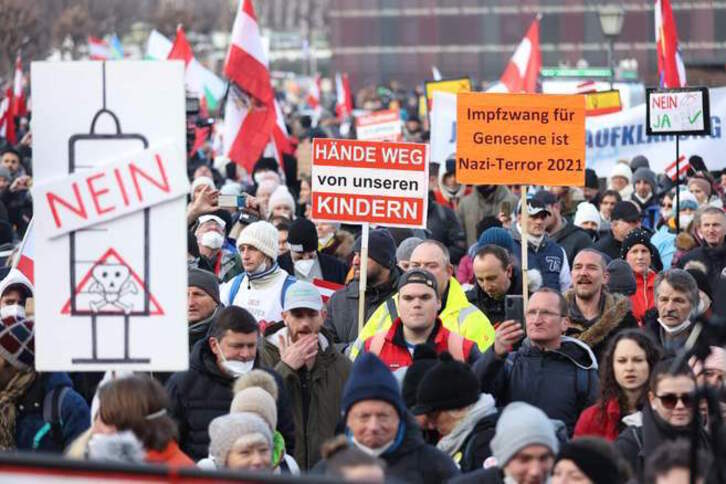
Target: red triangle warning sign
(109,285)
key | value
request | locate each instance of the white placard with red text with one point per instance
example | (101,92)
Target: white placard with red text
(366,181)
(379,126)
(109,141)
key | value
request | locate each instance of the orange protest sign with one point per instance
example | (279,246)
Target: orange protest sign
(520,139)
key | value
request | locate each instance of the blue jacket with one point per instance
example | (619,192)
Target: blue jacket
(32,432)
(549,259)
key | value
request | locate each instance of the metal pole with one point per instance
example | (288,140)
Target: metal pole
(611,47)
(524,244)
(678,186)
(363,278)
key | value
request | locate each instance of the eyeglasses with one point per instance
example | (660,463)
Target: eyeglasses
(535,313)
(670,400)
(666,205)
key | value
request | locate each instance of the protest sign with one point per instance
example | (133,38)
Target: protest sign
(113,294)
(107,191)
(369,181)
(622,135)
(452,86)
(677,111)
(379,126)
(443,126)
(515,139)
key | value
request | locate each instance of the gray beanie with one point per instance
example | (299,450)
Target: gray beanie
(206,281)
(639,161)
(620,278)
(406,248)
(519,426)
(228,429)
(646,175)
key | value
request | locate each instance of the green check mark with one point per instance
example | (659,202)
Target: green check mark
(694,118)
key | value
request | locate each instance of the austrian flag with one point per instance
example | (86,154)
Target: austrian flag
(671,71)
(523,69)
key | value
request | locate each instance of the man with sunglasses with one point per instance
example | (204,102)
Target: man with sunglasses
(666,416)
(556,373)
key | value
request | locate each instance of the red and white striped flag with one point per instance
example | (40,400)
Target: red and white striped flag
(98,49)
(25,256)
(313,97)
(523,69)
(326,288)
(7,118)
(250,115)
(284,143)
(344,104)
(671,70)
(683,167)
(19,107)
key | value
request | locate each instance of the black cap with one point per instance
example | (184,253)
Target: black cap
(302,236)
(206,281)
(449,385)
(591,179)
(625,210)
(381,247)
(418,276)
(546,197)
(534,207)
(424,358)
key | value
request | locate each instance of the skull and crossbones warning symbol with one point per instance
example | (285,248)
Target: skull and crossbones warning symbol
(112,282)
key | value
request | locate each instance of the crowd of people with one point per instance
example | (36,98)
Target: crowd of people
(440,382)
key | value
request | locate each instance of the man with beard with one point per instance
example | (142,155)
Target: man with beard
(595,315)
(486,200)
(382,282)
(302,352)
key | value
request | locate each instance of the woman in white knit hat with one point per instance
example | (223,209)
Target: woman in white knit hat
(261,287)
(281,203)
(620,179)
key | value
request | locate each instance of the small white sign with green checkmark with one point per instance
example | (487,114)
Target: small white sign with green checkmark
(678,111)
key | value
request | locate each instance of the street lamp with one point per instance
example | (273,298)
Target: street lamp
(611,22)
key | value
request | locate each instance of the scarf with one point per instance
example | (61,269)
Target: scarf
(14,390)
(451,443)
(675,331)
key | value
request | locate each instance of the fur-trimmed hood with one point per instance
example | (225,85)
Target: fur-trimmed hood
(615,308)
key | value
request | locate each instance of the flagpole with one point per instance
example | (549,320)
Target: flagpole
(678,188)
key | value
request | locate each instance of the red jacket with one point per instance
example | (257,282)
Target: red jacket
(593,422)
(391,348)
(644,297)
(172,456)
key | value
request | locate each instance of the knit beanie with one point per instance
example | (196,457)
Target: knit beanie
(587,212)
(595,458)
(206,281)
(406,248)
(199,181)
(621,279)
(701,183)
(258,401)
(381,247)
(639,161)
(228,429)
(370,379)
(521,425)
(281,196)
(424,358)
(635,237)
(686,200)
(17,342)
(302,236)
(591,180)
(449,385)
(496,236)
(646,175)
(623,170)
(262,236)
(257,378)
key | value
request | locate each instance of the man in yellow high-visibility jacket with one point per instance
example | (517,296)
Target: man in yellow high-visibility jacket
(457,313)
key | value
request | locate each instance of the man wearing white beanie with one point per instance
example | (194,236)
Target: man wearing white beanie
(523,448)
(620,179)
(261,288)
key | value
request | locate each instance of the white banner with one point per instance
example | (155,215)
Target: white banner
(612,137)
(443,126)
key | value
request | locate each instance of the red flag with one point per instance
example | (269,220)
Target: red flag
(344,103)
(19,107)
(313,97)
(7,118)
(249,118)
(24,259)
(683,167)
(181,49)
(671,71)
(523,69)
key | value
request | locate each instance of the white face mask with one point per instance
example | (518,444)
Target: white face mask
(666,213)
(377,452)
(323,241)
(685,219)
(212,239)
(236,368)
(13,310)
(304,266)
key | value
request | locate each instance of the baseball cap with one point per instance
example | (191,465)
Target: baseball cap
(546,197)
(625,210)
(212,218)
(418,276)
(302,294)
(534,207)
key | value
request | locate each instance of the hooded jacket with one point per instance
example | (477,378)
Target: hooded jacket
(615,315)
(16,278)
(644,297)
(315,394)
(203,393)
(457,315)
(594,422)
(475,207)
(446,196)
(342,318)
(530,374)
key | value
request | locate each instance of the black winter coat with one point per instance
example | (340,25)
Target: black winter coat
(475,449)
(494,308)
(530,374)
(333,269)
(493,475)
(714,258)
(204,392)
(446,228)
(573,239)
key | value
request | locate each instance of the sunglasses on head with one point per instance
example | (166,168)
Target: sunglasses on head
(670,400)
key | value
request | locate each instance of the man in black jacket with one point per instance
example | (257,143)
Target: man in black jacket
(203,304)
(304,261)
(624,218)
(445,228)
(496,277)
(571,238)
(204,392)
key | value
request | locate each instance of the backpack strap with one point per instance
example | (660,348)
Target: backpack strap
(289,281)
(236,283)
(455,345)
(377,342)
(392,309)
(52,416)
